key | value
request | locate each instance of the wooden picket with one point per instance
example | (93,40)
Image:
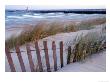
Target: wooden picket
(9,58)
(38,57)
(20,58)
(30,58)
(54,55)
(61,53)
(38,68)
(46,56)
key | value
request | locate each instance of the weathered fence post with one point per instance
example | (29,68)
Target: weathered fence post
(69,54)
(30,58)
(38,57)
(54,55)
(20,58)
(46,56)
(10,61)
(61,53)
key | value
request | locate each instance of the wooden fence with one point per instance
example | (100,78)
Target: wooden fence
(29,55)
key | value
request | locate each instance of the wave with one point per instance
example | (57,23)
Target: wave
(54,16)
(16,17)
(36,14)
(33,16)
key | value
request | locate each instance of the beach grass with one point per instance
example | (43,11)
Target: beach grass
(88,24)
(38,32)
(87,45)
(43,30)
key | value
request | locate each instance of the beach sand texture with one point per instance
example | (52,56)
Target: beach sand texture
(65,37)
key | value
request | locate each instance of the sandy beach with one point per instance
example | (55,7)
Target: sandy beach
(67,38)
(94,63)
(79,26)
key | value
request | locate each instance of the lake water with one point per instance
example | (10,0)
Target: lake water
(12,19)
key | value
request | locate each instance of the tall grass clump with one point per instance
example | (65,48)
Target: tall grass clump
(40,31)
(89,24)
(87,45)
(70,28)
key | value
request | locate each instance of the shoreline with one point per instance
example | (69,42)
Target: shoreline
(18,29)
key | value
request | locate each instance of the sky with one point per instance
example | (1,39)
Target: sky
(33,7)
(54,4)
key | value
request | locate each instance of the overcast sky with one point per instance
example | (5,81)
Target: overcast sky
(33,7)
(54,4)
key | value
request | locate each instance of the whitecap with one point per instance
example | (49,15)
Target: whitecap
(54,16)
(36,14)
(51,13)
(26,15)
(16,17)
(33,16)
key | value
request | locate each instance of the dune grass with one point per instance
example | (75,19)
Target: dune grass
(43,30)
(87,45)
(38,32)
(88,24)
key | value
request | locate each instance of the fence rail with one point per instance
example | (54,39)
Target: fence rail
(38,68)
